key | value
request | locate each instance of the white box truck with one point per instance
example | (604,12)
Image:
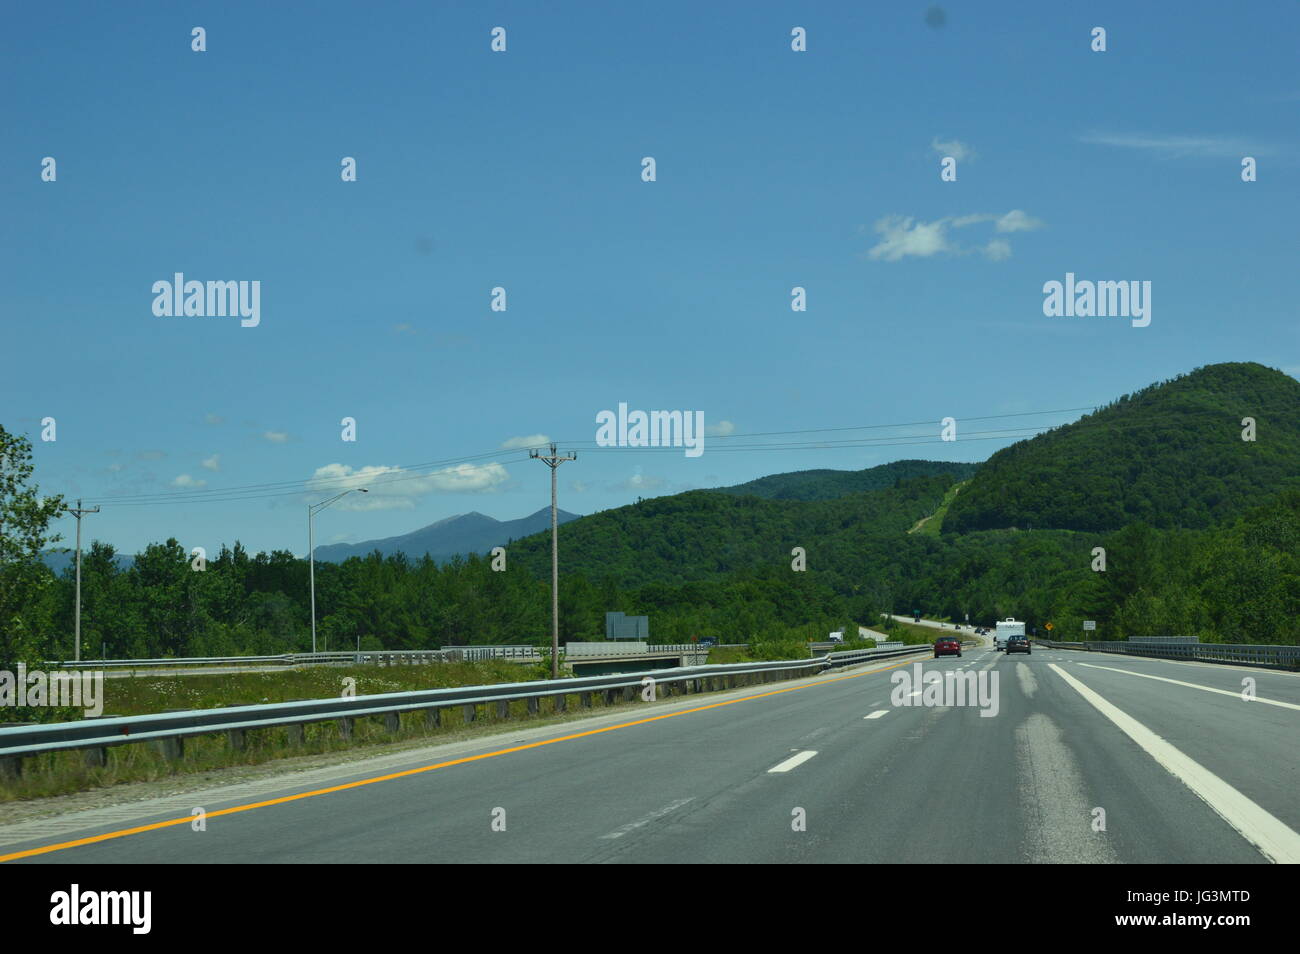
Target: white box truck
(1005,629)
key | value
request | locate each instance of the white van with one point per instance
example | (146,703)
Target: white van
(1007,628)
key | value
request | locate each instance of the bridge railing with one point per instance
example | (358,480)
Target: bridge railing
(1250,654)
(387,657)
(380,656)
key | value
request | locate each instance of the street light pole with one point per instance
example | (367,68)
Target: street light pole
(312,510)
(554,461)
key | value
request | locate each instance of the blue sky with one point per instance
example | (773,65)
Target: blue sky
(522,169)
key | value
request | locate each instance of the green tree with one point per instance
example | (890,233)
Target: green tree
(24,534)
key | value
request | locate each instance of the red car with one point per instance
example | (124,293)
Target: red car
(947,646)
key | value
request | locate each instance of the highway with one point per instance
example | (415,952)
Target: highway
(1180,768)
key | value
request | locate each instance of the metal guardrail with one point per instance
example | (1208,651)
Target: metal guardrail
(381,657)
(1249,654)
(19,742)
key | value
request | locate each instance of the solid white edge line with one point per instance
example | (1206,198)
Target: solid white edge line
(1270,835)
(1194,685)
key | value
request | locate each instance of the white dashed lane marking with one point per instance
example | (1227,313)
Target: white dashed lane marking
(793,761)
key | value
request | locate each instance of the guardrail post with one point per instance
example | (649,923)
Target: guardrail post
(393,721)
(294,733)
(432,718)
(11,768)
(503,709)
(96,757)
(561,702)
(608,696)
(584,698)
(346,725)
(470,712)
(172,749)
(629,693)
(236,738)
(533,705)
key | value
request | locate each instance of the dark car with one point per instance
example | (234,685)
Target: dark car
(1018,644)
(947,646)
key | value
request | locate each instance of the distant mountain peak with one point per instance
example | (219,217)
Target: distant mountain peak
(458,535)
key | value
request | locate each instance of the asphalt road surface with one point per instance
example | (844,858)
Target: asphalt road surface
(1086,758)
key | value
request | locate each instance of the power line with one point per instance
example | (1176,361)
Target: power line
(416,471)
(721,444)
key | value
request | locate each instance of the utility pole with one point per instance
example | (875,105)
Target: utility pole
(553,461)
(312,510)
(78,512)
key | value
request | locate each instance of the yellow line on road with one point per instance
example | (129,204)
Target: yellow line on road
(171,822)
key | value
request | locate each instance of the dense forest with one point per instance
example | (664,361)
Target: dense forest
(830,484)
(1171,455)
(1240,583)
(1201,537)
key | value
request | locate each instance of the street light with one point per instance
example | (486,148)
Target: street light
(312,510)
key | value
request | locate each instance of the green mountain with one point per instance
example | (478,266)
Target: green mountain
(829,484)
(705,534)
(1171,455)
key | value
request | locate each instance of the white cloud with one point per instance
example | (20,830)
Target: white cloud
(952,147)
(997,250)
(903,236)
(393,488)
(186,482)
(276,437)
(212,463)
(1017,221)
(531,440)
(720,429)
(961,221)
(639,483)
(214,419)
(1179,147)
